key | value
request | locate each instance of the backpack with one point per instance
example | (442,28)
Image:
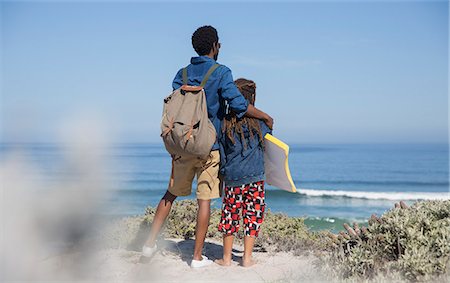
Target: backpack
(185,126)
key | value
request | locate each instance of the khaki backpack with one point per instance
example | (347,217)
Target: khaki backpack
(185,126)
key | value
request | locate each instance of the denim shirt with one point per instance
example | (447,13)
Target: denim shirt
(219,89)
(239,165)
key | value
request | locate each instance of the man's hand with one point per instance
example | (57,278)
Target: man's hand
(269,121)
(254,112)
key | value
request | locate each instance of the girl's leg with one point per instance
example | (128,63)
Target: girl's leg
(249,243)
(229,222)
(227,249)
(253,213)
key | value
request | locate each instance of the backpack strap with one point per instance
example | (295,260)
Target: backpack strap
(210,71)
(205,79)
(185,77)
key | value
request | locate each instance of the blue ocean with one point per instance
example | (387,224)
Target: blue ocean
(336,182)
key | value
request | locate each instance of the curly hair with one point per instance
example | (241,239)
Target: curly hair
(232,124)
(203,39)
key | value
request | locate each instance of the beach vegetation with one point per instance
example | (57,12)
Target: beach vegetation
(410,243)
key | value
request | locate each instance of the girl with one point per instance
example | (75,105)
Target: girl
(242,169)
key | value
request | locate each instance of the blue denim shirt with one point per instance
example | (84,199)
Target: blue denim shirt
(219,89)
(239,165)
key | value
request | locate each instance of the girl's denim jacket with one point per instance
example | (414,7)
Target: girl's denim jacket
(241,165)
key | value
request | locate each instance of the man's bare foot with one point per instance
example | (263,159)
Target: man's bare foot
(248,262)
(223,262)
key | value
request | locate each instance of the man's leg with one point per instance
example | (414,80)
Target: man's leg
(181,177)
(162,212)
(207,189)
(203,213)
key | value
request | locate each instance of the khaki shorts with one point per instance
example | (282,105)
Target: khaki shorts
(184,169)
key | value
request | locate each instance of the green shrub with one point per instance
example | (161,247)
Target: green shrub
(278,231)
(413,242)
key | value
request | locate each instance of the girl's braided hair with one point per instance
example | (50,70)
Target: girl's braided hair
(233,125)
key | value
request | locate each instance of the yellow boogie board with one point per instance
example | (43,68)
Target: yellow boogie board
(276,164)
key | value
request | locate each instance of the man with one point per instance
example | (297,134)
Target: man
(220,92)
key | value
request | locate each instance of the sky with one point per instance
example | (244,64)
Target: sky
(327,72)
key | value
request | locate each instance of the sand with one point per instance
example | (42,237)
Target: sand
(111,253)
(171,264)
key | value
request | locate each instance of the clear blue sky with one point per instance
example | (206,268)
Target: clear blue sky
(327,72)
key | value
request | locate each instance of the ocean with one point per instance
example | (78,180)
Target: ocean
(336,183)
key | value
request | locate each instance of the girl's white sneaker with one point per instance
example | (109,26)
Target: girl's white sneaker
(148,251)
(201,263)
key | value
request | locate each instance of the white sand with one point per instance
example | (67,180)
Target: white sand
(115,256)
(171,264)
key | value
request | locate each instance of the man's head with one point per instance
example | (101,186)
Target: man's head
(206,42)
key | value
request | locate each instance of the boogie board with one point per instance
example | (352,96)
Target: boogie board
(276,164)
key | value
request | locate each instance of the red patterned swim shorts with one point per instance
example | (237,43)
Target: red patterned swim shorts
(247,200)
